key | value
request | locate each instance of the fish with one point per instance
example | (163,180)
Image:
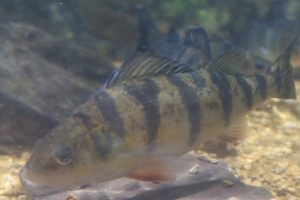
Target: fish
(194,49)
(153,110)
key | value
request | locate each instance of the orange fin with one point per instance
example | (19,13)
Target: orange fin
(151,175)
(155,171)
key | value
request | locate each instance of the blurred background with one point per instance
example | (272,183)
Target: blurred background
(109,27)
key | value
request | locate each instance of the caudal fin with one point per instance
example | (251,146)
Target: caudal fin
(282,71)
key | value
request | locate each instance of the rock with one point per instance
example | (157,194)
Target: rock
(62,53)
(46,73)
(31,123)
(42,80)
(213,181)
(58,17)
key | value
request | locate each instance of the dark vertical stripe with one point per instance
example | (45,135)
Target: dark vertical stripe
(103,143)
(85,119)
(262,86)
(147,95)
(108,109)
(198,79)
(247,90)
(278,80)
(225,95)
(190,100)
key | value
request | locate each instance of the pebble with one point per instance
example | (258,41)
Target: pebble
(247,166)
(227,183)
(195,169)
(279,169)
(71,197)
(208,159)
(233,198)
(22,197)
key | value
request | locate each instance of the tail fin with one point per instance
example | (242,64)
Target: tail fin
(283,74)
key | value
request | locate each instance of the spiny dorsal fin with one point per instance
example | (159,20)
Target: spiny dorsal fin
(148,32)
(232,62)
(192,50)
(219,46)
(198,39)
(144,65)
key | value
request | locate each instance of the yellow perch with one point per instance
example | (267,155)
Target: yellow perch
(155,108)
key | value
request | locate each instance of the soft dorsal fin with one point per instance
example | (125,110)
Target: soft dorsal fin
(144,65)
(232,62)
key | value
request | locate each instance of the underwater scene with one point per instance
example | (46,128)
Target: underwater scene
(149,100)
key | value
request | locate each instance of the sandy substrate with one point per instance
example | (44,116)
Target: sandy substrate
(268,157)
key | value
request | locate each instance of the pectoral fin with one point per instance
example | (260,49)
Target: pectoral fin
(151,175)
(154,171)
(236,131)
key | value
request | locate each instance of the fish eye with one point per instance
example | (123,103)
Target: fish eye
(63,155)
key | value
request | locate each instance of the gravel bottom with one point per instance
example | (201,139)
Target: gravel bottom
(10,187)
(269,156)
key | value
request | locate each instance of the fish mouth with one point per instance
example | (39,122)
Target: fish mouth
(24,178)
(32,188)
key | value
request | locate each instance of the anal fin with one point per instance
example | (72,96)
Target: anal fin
(226,138)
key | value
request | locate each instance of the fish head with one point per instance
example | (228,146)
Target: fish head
(70,155)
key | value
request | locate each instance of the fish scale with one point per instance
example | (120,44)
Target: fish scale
(150,94)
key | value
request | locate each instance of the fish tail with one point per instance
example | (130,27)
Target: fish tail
(282,71)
